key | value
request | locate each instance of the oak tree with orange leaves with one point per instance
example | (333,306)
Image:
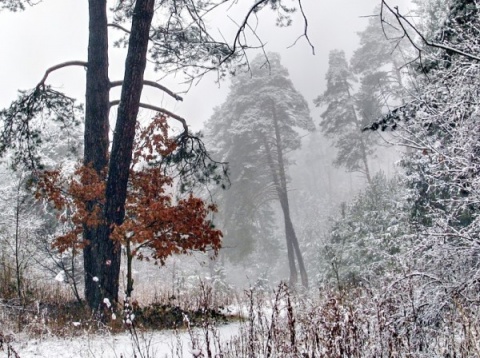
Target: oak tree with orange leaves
(156,225)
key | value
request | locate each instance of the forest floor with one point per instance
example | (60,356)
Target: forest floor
(281,323)
(159,344)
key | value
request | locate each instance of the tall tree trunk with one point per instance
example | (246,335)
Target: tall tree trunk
(96,138)
(18,264)
(288,237)
(363,149)
(280,181)
(123,138)
(102,256)
(283,196)
(129,288)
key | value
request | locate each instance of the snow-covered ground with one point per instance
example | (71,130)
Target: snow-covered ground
(158,344)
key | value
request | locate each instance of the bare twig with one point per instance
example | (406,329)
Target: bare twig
(305,30)
(241,29)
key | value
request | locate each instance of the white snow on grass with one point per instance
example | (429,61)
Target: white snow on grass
(158,344)
(107,303)
(60,276)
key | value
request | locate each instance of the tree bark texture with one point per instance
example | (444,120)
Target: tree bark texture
(122,146)
(96,138)
(124,135)
(102,256)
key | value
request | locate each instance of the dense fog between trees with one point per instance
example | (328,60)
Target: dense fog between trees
(343,183)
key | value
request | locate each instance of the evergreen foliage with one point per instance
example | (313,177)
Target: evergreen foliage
(368,234)
(345,114)
(256,125)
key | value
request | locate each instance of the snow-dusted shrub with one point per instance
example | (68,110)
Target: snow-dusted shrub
(365,239)
(356,323)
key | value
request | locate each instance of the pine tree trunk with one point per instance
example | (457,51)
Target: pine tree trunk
(123,138)
(96,140)
(280,181)
(290,249)
(283,196)
(366,168)
(124,135)
(102,256)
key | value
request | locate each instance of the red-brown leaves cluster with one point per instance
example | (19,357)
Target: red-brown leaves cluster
(152,142)
(154,220)
(78,199)
(168,229)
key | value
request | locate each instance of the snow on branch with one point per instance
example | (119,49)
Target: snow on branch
(406,25)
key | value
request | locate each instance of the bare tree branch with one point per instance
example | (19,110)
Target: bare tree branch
(305,30)
(160,110)
(59,66)
(241,29)
(226,51)
(402,21)
(151,84)
(119,27)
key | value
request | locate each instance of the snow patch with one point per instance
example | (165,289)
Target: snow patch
(60,276)
(107,303)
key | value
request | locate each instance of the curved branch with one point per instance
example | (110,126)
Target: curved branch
(161,110)
(241,29)
(151,84)
(59,66)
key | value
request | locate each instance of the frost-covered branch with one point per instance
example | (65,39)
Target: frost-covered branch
(406,24)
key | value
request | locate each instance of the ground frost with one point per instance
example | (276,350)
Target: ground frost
(160,344)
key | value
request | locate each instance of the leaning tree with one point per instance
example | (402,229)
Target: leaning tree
(256,127)
(178,39)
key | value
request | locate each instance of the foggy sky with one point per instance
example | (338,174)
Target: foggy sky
(56,31)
